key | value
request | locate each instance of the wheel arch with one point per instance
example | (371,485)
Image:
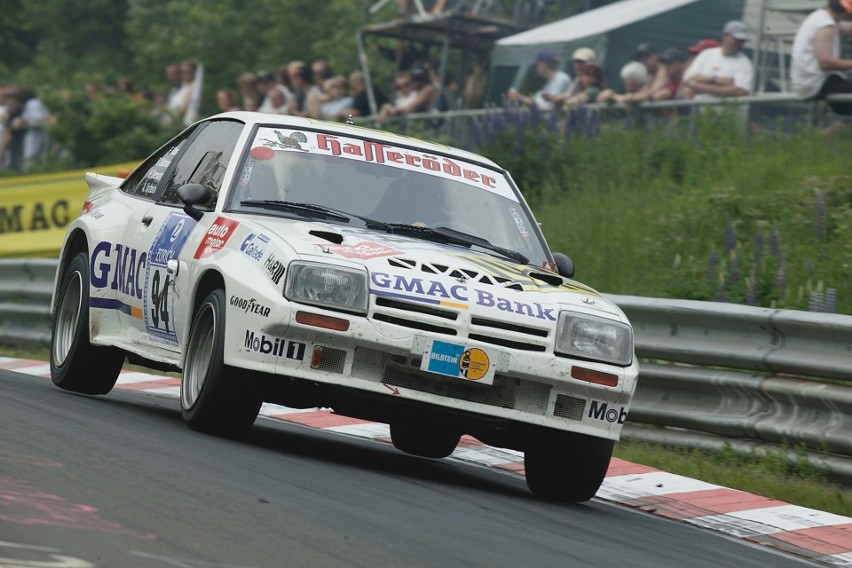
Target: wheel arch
(76,243)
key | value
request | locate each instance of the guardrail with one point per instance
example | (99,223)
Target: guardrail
(712,374)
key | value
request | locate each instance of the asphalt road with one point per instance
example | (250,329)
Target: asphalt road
(119,481)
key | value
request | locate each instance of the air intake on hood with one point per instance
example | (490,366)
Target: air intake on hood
(329,236)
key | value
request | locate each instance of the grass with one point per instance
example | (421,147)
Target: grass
(770,476)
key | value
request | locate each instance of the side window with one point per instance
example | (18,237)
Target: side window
(205,159)
(145,180)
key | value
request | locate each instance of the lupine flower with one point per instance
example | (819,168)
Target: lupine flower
(830,301)
(774,241)
(751,289)
(781,275)
(816,303)
(819,205)
(720,291)
(712,264)
(735,266)
(730,235)
(758,247)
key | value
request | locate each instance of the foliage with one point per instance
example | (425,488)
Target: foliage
(712,213)
(105,130)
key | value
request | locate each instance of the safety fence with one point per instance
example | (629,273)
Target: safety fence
(711,375)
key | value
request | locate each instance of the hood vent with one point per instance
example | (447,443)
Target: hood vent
(329,236)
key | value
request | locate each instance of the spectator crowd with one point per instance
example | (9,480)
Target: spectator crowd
(708,69)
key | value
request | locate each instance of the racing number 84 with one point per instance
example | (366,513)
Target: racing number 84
(160,301)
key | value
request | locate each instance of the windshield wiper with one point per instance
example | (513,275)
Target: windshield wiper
(451,236)
(294,207)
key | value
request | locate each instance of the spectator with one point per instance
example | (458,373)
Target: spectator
(36,119)
(226,100)
(192,75)
(14,132)
(272,102)
(250,94)
(337,102)
(634,76)
(723,71)
(648,55)
(307,97)
(816,62)
(360,98)
(581,57)
(674,60)
(591,83)
(173,77)
(547,67)
(321,71)
(415,93)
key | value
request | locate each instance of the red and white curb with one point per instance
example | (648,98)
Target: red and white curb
(822,537)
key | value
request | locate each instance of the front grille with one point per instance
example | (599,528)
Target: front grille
(522,345)
(417,308)
(331,360)
(414,324)
(569,407)
(534,331)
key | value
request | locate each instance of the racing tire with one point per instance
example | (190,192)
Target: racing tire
(567,467)
(423,442)
(213,398)
(75,364)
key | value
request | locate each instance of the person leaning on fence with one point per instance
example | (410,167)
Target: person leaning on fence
(547,67)
(674,60)
(582,57)
(634,76)
(816,62)
(723,71)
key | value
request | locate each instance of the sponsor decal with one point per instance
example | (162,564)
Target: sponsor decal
(254,246)
(602,411)
(521,274)
(38,216)
(216,237)
(454,360)
(363,250)
(159,285)
(274,267)
(519,221)
(118,267)
(276,346)
(249,306)
(452,295)
(388,155)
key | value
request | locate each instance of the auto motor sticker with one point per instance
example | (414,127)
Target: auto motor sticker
(120,268)
(216,237)
(602,411)
(159,286)
(454,360)
(276,346)
(254,246)
(364,250)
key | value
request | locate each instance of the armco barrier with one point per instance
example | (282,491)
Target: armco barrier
(712,374)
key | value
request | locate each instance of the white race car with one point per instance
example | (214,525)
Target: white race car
(313,264)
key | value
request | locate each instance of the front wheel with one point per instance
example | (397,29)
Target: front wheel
(75,364)
(423,442)
(563,466)
(214,398)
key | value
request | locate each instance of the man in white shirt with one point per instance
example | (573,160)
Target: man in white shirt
(547,67)
(723,71)
(816,62)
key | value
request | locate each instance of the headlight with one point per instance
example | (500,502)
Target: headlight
(591,337)
(327,286)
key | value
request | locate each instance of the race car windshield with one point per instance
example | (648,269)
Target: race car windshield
(385,184)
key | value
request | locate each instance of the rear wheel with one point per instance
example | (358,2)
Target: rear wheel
(214,398)
(563,466)
(75,364)
(424,442)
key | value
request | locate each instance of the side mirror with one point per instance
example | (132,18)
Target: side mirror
(564,265)
(192,194)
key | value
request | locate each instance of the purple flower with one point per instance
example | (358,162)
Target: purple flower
(735,267)
(720,291)
(774,241)
(781,276)
(712,265)
(751,289)
(819,205)
(758,247)
(730,235)
(816,302)
(830,301)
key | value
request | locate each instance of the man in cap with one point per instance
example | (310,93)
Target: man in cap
(674,60)
(581,57)
(816,63)
(556,81)
(723,71)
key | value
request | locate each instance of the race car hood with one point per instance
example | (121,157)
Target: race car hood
(412,269)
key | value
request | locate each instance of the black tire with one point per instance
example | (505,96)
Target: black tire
(423,442)
(567,467)
(214,398)
(75,364)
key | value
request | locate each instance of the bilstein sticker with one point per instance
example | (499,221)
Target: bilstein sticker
(454,360)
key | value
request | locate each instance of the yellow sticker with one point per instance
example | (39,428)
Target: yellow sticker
(474,364)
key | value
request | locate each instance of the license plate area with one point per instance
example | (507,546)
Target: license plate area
(459,361)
